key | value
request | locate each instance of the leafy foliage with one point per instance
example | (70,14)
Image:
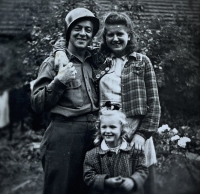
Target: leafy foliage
(20,169)
(178,155)
(180,140)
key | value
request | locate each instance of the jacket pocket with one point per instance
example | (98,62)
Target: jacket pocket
(73,84)
(73,96)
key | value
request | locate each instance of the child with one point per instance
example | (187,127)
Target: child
(113,166)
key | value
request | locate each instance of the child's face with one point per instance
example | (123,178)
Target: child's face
(117,38)
(111,128)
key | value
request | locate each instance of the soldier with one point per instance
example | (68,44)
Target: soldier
(69,94)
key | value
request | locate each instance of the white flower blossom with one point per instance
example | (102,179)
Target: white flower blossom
(186,139)
(184,127)
(163,128)
(174,138)
(182,141)
(175,131)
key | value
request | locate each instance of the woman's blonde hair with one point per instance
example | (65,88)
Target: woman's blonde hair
(119,116)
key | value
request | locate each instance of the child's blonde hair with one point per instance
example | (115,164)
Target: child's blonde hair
(119,115)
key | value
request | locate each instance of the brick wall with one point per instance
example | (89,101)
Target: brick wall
(16,16)
(165,8)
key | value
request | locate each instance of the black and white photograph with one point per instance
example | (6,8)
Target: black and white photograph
(99,96)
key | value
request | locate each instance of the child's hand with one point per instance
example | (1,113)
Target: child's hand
(127,185)
(114,182)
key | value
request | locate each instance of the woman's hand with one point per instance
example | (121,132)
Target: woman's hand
(138,142)
(61,59)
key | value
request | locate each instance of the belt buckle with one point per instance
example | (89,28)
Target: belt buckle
(91,117)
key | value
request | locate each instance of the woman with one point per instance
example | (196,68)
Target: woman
(127,79)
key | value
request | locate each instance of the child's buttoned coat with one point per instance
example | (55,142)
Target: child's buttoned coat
(100,164)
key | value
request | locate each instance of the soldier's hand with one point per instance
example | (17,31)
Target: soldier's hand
(67,73)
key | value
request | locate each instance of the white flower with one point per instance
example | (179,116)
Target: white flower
(182,141)
(163,128)
(174,138)
(175,131)
(186,139)
(184,127)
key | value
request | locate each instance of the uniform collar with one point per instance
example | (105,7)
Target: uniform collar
(71,56)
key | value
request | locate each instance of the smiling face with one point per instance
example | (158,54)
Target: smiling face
(81,35)
(117,38)
(111,128)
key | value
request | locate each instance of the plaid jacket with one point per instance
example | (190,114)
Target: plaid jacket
(100,164)
(138,86)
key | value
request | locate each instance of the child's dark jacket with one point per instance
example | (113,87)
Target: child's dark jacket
(100,164)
